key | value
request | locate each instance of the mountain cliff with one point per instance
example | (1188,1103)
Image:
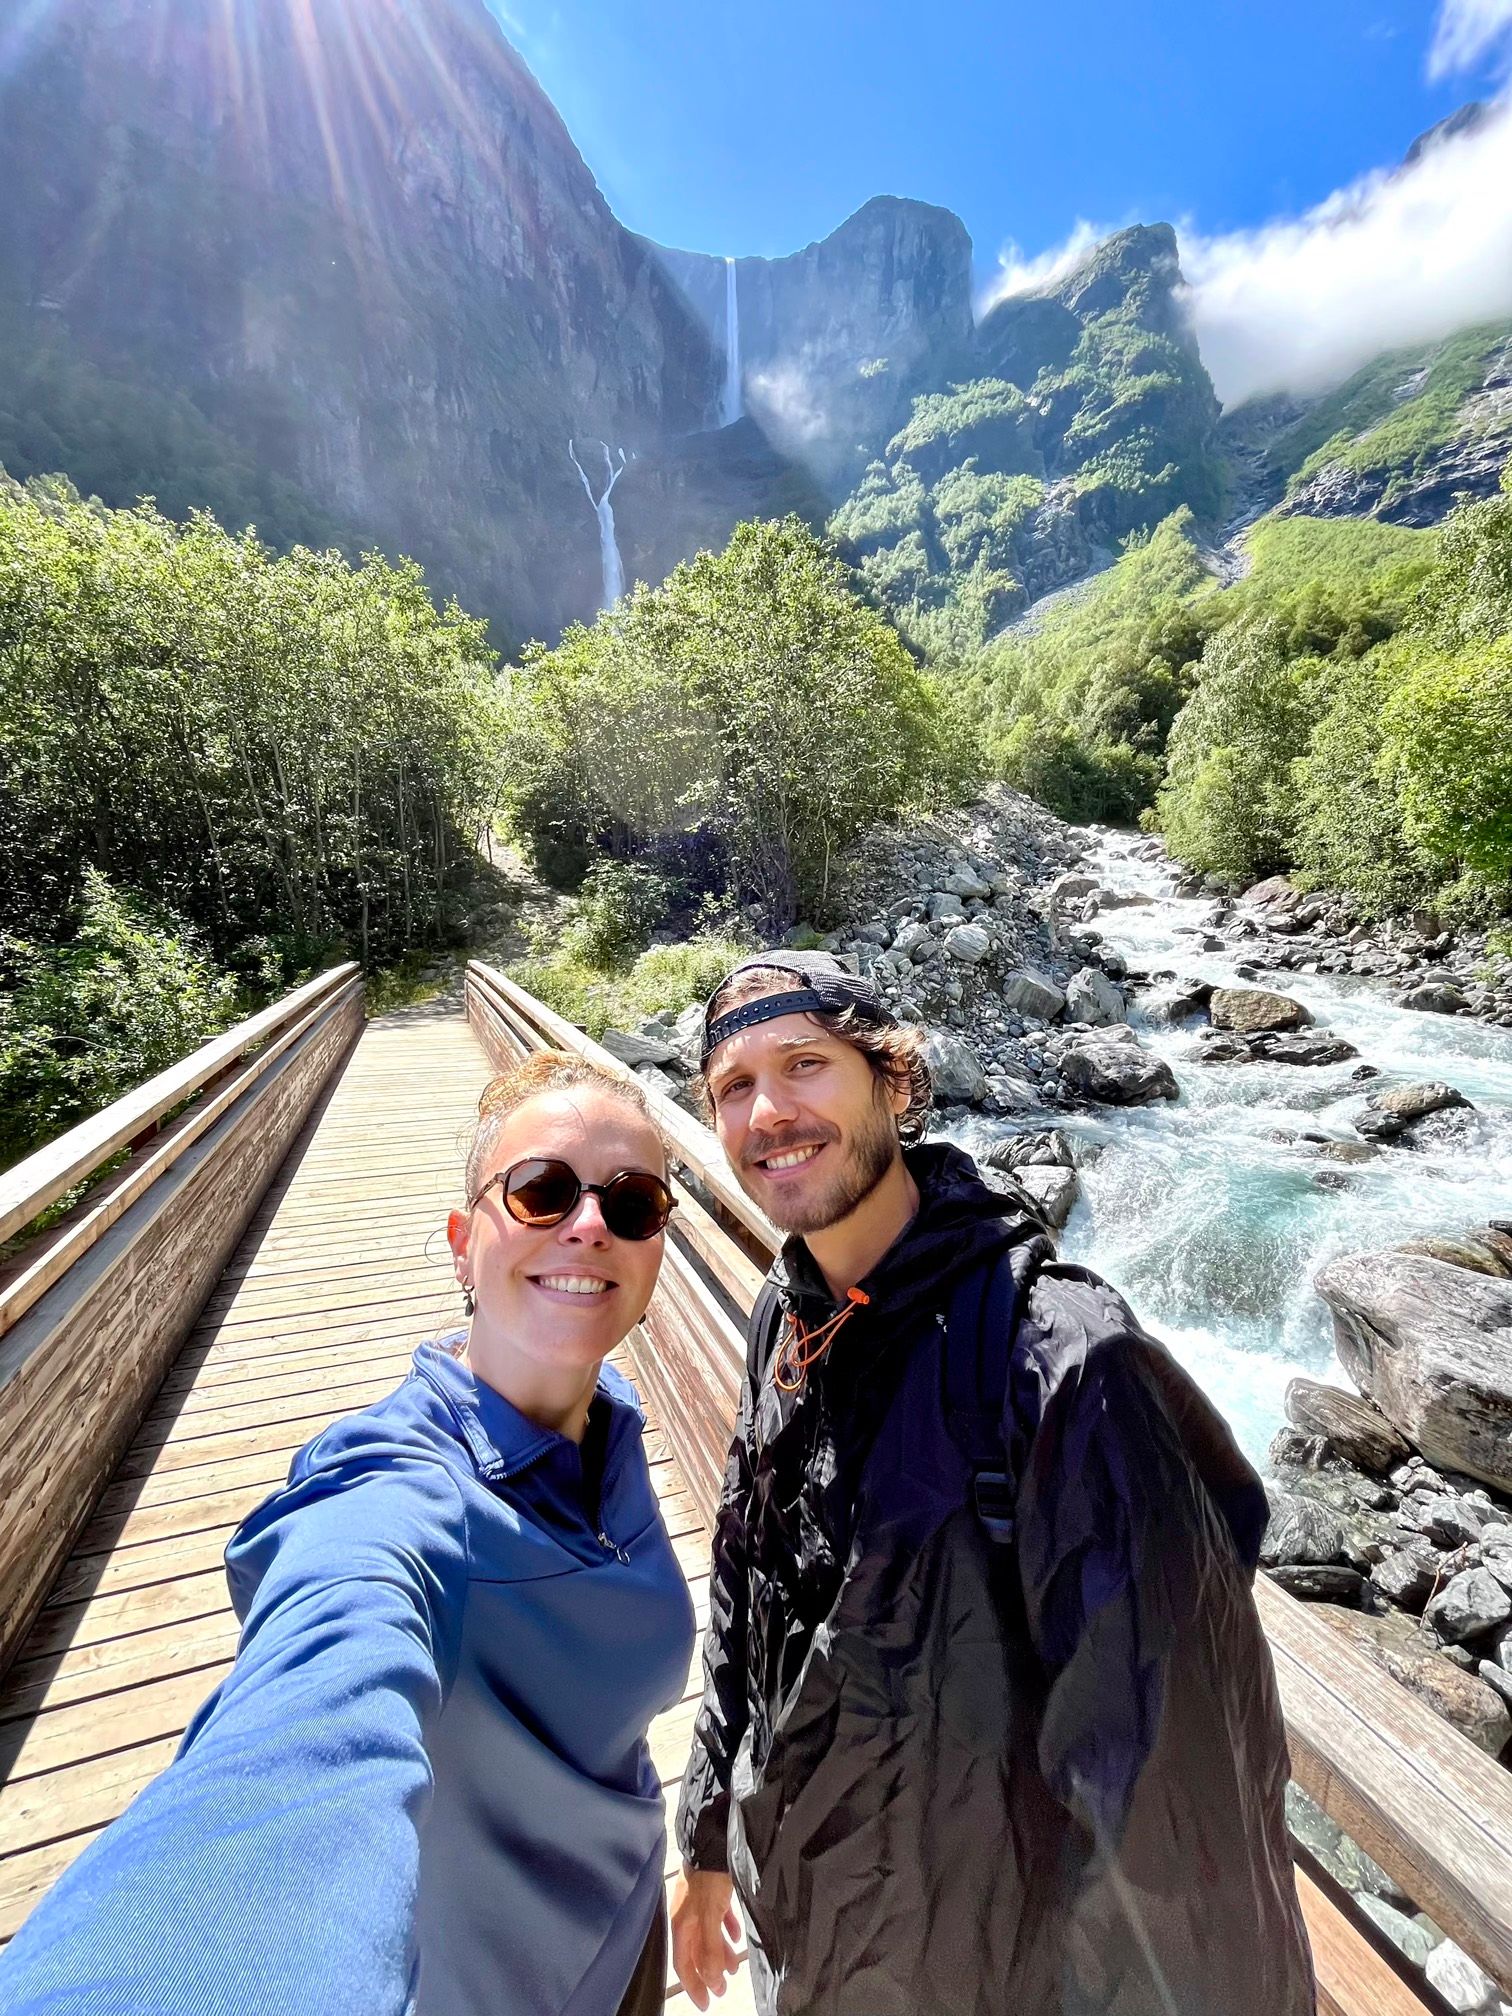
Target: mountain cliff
(355,250)
(832,339)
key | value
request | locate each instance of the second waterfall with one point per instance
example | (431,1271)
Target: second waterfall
(603,510)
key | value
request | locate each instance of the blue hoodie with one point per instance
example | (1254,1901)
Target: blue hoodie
(425,1784)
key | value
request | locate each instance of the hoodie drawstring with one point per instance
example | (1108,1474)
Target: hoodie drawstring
(802,1348)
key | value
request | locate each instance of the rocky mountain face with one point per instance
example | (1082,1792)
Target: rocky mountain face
(361,248)
(833,339)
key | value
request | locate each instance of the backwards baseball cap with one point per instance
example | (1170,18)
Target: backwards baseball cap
(824,988)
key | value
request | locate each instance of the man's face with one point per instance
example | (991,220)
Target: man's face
(808,1126)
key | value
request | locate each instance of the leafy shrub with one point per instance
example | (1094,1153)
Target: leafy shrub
(1349,830)
(619,906)
(1106,781)
(665,976)
(281,747)
(1228,806)
(81,1023)
(1449,723)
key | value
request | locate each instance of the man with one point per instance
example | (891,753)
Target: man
(989,1722)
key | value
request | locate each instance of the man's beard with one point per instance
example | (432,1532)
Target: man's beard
(873,1149)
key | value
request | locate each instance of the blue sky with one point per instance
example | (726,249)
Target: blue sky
(756,129)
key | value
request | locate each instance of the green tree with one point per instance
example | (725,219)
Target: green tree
(131,992)
(290,752)
(1228,805)
(1449,725)
(743,721)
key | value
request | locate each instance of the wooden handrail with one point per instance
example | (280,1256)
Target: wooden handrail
(96,1307)
(45,1258)
(39,1180)
(1430,1808)
(1418,1797)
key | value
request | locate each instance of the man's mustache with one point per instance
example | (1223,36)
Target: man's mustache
(759,1146)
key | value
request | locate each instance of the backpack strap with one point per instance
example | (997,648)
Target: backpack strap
(980,1321)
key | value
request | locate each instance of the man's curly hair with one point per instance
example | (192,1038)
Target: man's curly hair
(895,1051)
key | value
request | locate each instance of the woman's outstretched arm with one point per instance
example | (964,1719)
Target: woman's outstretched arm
(274,1865)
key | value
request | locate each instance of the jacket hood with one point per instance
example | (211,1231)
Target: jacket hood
(958,1221)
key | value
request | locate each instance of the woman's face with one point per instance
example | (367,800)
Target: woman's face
(553,1301)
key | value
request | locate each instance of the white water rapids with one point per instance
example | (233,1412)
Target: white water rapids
(730,406)
(603,511)
(1212,1227)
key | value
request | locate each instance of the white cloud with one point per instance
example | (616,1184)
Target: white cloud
(1466,32)
(1402,256)
(1018,275)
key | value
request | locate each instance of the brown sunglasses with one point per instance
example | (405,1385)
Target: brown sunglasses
(542,1191)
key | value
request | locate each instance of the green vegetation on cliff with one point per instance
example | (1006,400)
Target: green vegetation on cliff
(1391,415)
(1094,419)
(1343,711)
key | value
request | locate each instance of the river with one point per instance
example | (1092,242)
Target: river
(1211,1225)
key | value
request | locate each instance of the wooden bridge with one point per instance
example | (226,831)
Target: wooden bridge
(261,1256)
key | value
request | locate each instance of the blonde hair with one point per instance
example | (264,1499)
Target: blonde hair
(542,1071)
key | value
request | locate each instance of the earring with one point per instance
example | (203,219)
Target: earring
(468,1304)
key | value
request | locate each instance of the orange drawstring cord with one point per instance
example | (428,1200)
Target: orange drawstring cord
(802,1348)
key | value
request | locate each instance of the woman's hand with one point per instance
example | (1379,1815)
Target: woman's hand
(704,1928)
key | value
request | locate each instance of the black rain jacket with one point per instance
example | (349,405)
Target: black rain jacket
(953,1777)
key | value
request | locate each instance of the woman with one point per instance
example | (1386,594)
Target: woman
(425,1784)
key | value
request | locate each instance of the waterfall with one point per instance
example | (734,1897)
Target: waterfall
(730,409)
(603,510)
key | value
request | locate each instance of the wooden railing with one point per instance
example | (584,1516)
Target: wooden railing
(94,1307)
(1430,1808)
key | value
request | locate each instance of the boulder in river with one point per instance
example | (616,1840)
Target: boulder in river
(1487,1251)
(1031,994)
(1408,1576)
(1360,1432)
(1266,1046)
(1470,1605)
(1388,1114)
(1431,1345)
(1325,1584)
(1112,1065)
(1091,997)
(1190,997)
(1054,1191)
(1436,997)
(959,1079)
(1247,1010)
(1048,1149)
(1303,1532)
(1066,888)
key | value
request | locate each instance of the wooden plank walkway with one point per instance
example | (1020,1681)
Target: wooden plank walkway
(341,1272)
